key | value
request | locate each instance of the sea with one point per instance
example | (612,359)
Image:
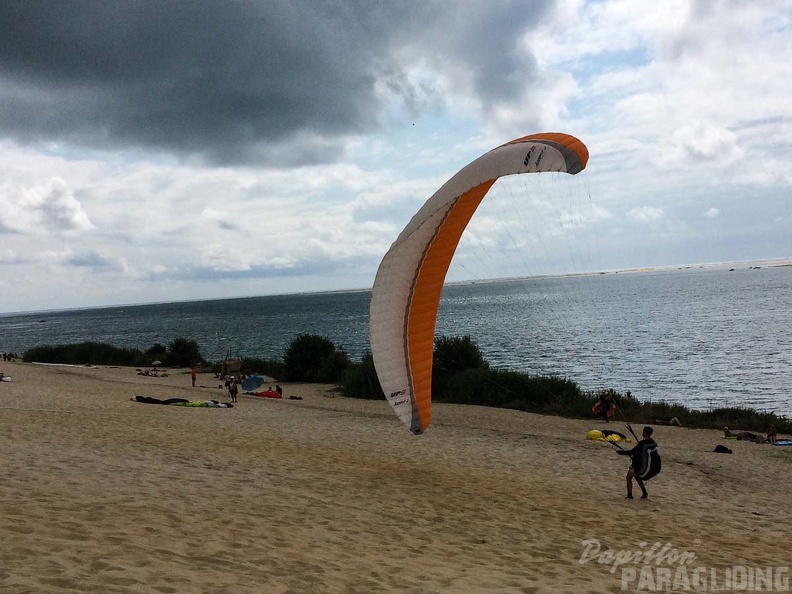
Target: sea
(704,337)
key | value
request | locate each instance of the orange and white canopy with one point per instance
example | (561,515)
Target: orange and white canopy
(409,282)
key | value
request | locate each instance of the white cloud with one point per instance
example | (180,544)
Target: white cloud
(712,213)
(60,210)
(701,141)
(646,214)
(584,216)
(41,208)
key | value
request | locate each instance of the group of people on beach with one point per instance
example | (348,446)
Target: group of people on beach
(232,383)
(8,357)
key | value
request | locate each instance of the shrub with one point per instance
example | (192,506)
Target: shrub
(183,353)
(312,358)
(274,369)
(180,353)
(85,353)
(508,389)
(333,367)
(158,352)
(360,380)
(456,353)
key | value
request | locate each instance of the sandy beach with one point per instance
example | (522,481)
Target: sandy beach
(329,494)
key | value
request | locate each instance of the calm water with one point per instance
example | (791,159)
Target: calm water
(705,337)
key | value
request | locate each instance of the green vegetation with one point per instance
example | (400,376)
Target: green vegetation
(460,375)
(733,417)
(360,380)
(312,358)
(179,353)
(183,353)
(268,367)
(456,353)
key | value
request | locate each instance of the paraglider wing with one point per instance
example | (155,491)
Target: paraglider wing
(409,282)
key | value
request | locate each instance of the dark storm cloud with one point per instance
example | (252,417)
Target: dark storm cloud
(485,39)
(238,81)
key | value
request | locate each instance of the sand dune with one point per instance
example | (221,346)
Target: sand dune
(328,494)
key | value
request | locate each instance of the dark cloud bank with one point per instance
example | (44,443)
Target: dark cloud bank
(239,81)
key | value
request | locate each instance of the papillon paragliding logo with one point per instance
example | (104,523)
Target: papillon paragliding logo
(409,282)
(661,567)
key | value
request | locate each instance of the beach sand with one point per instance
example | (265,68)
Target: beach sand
(329,494)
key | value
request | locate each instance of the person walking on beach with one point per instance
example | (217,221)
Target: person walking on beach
(233,390)
(193,375)
(645,462)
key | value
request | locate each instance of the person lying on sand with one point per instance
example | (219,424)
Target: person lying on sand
(741,436)
(673,421)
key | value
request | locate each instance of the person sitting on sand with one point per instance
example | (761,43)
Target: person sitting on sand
(772,436)
(645,462)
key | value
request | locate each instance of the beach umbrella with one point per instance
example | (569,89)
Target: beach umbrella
(251,383)
(156,362)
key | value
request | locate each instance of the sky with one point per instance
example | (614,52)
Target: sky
(163,151)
